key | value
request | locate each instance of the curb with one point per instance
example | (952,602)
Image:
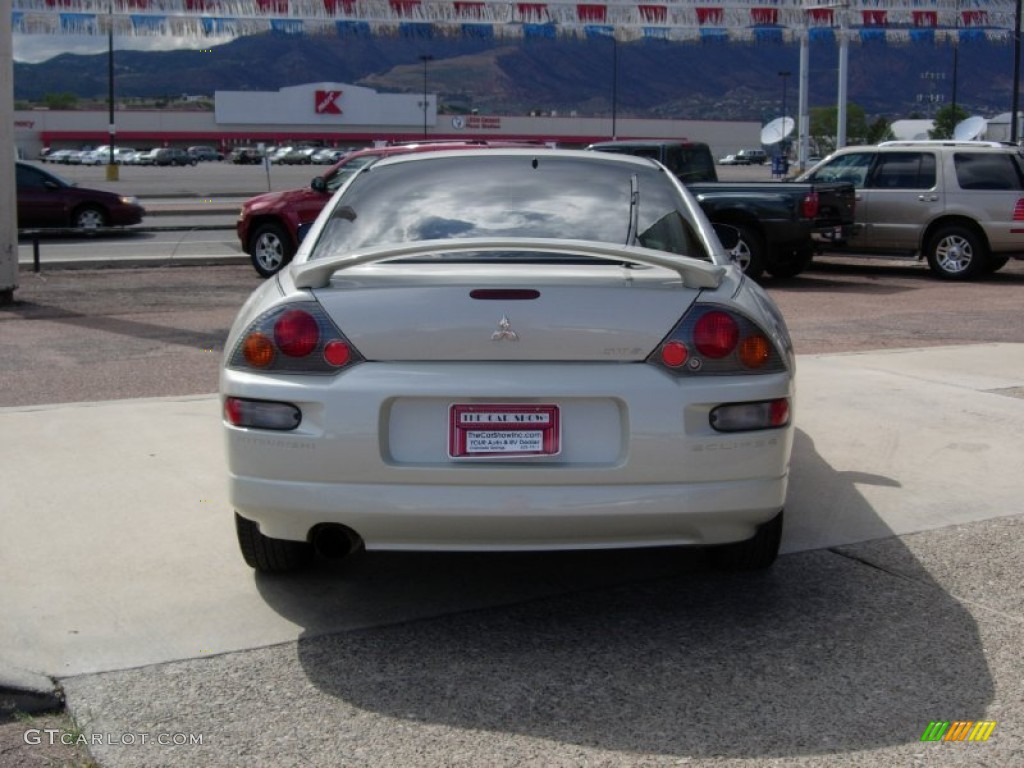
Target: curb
(24,691)
(198,261)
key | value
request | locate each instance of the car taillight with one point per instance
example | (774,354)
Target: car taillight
(294,338)
(296,333)
(1018,210)
(744,417)
(261,414)
(714,340)
(716,334)
(809,205)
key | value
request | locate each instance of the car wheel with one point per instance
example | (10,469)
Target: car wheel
(956,253)
(792,264)
(89,217)
(752,554)
(749,252)
(995,263)
(270,555)
(270,249)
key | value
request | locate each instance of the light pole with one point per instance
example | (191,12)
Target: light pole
(1016,74)
(112,171)
(956,55)
(425,57)
(615,82)
(785,78)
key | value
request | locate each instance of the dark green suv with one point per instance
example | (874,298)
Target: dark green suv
(690,161)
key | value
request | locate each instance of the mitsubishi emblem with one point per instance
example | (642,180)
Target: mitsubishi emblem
(504,332)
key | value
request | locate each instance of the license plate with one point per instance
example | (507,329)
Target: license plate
(502,430)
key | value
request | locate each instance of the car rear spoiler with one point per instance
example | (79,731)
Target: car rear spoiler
(694,273)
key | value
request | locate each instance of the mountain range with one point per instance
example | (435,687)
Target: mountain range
(655,78)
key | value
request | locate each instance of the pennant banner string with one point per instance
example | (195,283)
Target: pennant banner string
(757,21)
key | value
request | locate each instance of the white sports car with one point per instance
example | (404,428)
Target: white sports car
(511,349)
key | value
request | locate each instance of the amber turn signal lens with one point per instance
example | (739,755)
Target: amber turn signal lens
(258,350)
(755,351)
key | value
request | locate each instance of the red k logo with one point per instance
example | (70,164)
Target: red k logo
(327,102)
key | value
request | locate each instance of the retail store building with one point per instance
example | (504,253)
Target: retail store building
(339,114)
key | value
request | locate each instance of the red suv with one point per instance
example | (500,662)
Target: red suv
(270,226)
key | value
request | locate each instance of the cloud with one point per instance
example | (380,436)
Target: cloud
(32,49)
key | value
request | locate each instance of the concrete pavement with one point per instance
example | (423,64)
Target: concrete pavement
(899,601)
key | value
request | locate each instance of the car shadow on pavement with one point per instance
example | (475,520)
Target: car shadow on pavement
(651,653)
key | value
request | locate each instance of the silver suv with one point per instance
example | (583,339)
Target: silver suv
(960,204)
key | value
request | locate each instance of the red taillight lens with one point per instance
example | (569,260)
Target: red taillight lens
(716,335)
(674,354)
(1018,210)
(337,353)
(780,412)
(809,205)
(233,410)
(296,333)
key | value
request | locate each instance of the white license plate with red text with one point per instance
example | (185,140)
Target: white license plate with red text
(502,430)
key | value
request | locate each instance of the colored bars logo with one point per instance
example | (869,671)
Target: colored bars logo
(958,730)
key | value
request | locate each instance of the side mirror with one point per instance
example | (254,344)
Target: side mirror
(318,184)
(728,236)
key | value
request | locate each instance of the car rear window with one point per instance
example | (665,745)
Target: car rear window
(988,170)
(510,196)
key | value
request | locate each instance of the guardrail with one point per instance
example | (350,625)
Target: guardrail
(35,234)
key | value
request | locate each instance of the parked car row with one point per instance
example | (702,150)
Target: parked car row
(129,156)
(288,155)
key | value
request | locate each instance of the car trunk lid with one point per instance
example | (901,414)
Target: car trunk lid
(531,312)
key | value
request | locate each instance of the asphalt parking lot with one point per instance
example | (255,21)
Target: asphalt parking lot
(899,600)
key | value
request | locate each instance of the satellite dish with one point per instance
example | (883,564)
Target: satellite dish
(777,130)
(970,129)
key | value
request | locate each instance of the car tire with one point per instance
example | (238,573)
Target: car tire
(793,264)
(956,253)
(754,553)
(270,555)
(270,249)
(995,263)
(749,252)
(89,217)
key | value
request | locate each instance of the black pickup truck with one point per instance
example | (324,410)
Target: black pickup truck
(777,220)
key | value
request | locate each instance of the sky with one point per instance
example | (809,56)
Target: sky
(32,49)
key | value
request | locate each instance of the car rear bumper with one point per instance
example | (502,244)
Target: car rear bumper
(511,518)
